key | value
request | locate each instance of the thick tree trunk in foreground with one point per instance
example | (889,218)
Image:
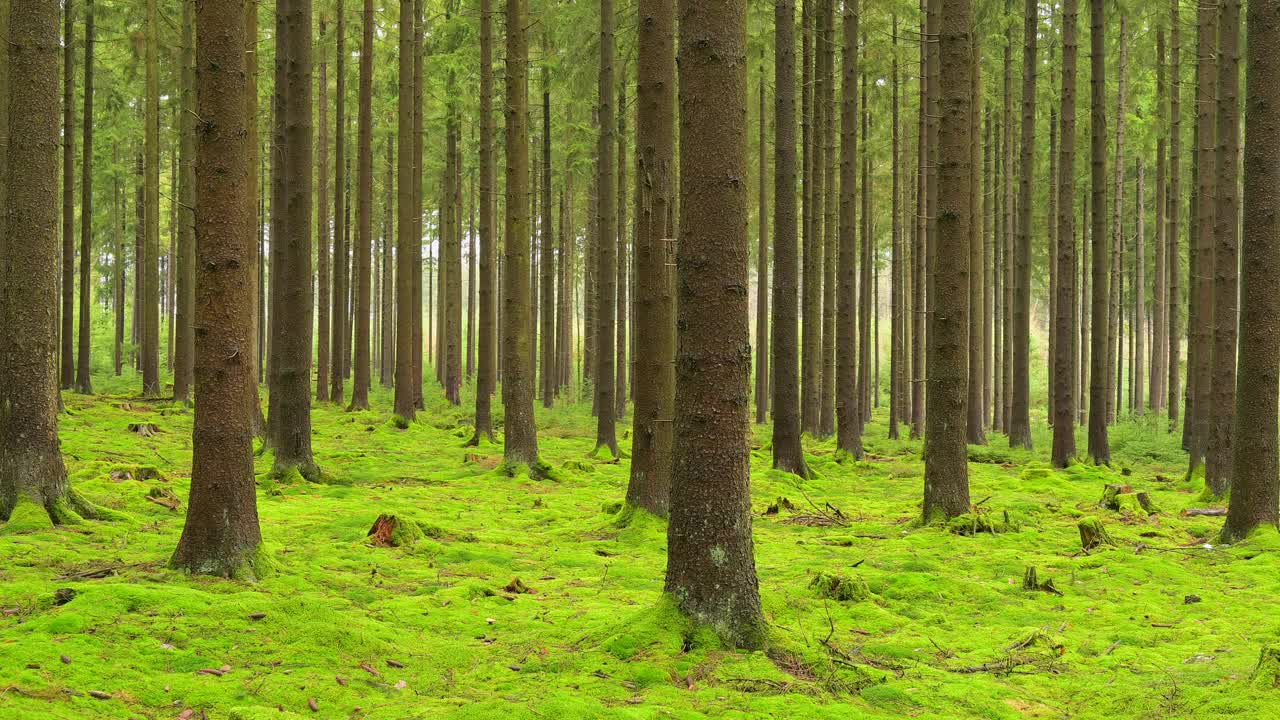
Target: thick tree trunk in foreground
(520,439)
(1255,489)
(788,454)
(946,481)
(710,557)
(31,466)
(221,535)
(1066,339)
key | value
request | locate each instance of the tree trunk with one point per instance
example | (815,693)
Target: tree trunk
(1115,323)
(1172,254)
(221,535)
(362,368)
(1099,450)
(520,437)
(1255,491)
(387,356)
(976,427)
(620,386)
(256,201)
(68,284)
(848,408)
(1159,309)
(323,271)
(897,306)
(811,283)
(31,465)
(1020,418)
(406,224)
(828,208)
(416,265)
(293,336)
(547,264)
(487,345)
(1222,401)
(1139,329)
(1066,342)
(762,387)
(338,314)
(117,261)
(788,454)
(151,288)
(607,245)
(946,484)
(84,383)
(710,557)
(1200,318)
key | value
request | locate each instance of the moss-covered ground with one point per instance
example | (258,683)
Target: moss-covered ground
(505,597)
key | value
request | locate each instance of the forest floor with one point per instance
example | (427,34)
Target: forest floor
(536,599)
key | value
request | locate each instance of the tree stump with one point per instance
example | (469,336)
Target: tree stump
(1267,673)
(1093,534)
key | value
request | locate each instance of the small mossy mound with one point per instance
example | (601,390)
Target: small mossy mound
(973,523)
(399,422)
(1093,534)
(579,466)
(840,588)
(1267,672)
(1036,471)
(394,531)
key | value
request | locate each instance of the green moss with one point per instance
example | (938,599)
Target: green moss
(599,640)
(841,588)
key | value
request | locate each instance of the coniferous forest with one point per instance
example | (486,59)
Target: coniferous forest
(519,359)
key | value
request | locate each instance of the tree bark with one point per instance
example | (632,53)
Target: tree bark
(1099,450)
(221,535)
(487,341)
(1221,408)
(406,224)
(762,387)
(547,264)
(848,406)
(520,439)
(151,188)
(323,270)
(338,314)
(1173,302)
(364,219)
(1200,317)
(1159,310)
(829,210)
(1255,491)
(976,426)
(946,481)
(1020,418)
(788,454)
(607,245)
(710,557)
(68,284)
(897,304)
(1066,342)
(84,383)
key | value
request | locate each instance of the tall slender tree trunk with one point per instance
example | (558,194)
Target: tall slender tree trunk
(66,333)
(118,261)
(946,480)
(1173,302)
(1115,323)
(848,407)
(151,187)
(1066,344)
(1099,450)
(1222,398)
(406,224)
(897,272)
(763,386)
(520,438)
(487,345)
(547,264)
(221,535)
(84,383)
(1255,490)
(1020,418)
(607,245)
(788,454)
(1200,318)
(255,198)
(1159,308)
(811,284)
(621,391)
(976,426)
(362,367)
(827,205)
(710,556)
(184,272)
(293,337)
(1139,330)
(324,272)
(387,334)
(338,314)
